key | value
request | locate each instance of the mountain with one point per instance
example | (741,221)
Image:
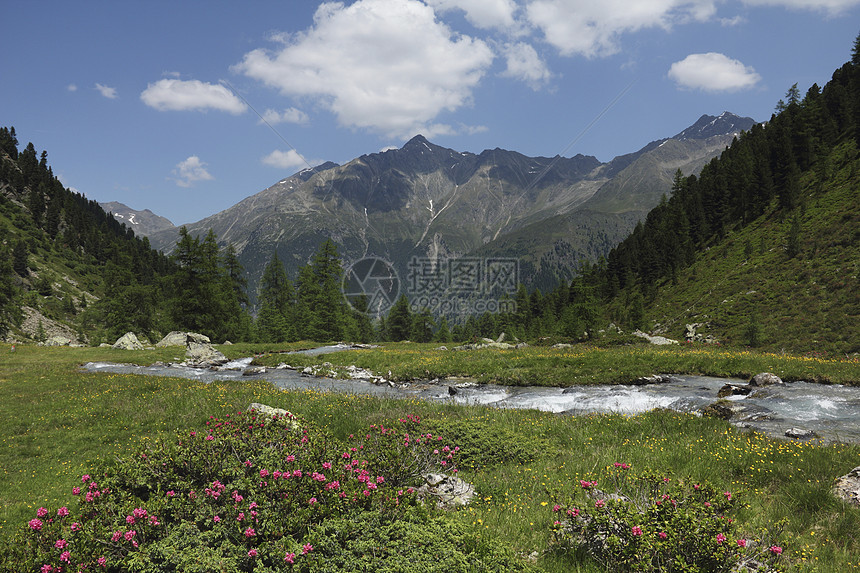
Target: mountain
(428,202)
(143,223)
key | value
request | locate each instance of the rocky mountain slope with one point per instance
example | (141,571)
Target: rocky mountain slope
(427,201)
(143,223)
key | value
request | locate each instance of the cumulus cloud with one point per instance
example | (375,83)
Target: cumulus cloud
(181,95)
(190,171)
(289,115)
(482,13)
(284,159)
(524,63)
(831,6)
(384,65)
(713,72)
(593,29)
(106,91)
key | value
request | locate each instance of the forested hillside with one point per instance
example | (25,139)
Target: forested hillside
(70,269)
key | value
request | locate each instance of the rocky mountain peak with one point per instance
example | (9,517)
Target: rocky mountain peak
(709,126)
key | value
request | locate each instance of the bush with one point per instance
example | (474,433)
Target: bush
(253,493)
(651,523)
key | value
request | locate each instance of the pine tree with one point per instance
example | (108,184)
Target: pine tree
(19,258)
(276,294)
(400,320)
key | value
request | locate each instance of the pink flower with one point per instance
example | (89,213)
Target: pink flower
(742,542)
(63,511)
(662,535)
(775,549)
(636,530)
(307,548)
(76,490)
(216,519)
(312,501)
(264,473)
(707,504)
(129,535)
(76,526)
(250,532)
(600,504)
(117,535)
(65,556)
(720,537)
(61,544)
(35,524)
(291,458)
(252,553)
(728,495)
(587,484)
(290,558)
(327,465)
(85,478)
(102,561)
(47,568)
(209,437)
(556,507)
(170,493)
(129,519)
(41,512)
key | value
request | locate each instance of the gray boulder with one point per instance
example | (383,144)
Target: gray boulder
(128,341)
(765,379)
(203,355)
(658,340)
(449,492)
(847,487)
(58,341)
(799,434)
(178,338)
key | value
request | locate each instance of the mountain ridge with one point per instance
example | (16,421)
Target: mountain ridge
(427,201)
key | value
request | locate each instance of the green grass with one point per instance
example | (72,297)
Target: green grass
(60,422)
(581,364)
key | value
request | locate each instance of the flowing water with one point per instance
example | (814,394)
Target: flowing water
(832,412)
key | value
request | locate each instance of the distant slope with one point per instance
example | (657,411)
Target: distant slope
(143,223)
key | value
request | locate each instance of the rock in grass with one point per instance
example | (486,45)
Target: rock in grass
(765,379)
(847,487)
(450,492)
(178,338)
(128,341)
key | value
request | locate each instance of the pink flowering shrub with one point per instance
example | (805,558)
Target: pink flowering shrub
(647,522)
(247,490)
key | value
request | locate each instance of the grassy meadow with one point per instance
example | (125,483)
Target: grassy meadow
(60,423)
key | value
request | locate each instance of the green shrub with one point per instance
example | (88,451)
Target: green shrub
(650,523)
(253,493)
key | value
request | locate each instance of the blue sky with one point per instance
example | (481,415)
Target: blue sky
(158,104)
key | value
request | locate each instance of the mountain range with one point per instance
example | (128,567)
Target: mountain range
(424,201)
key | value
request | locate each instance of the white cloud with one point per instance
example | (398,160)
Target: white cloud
(833,7)
(713,72)
(289,115)
(72,87)
(383,65)
(190,171)
(482,13)
(525,64)
(106,91)
(181,95)
(592,29)
(284,159)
